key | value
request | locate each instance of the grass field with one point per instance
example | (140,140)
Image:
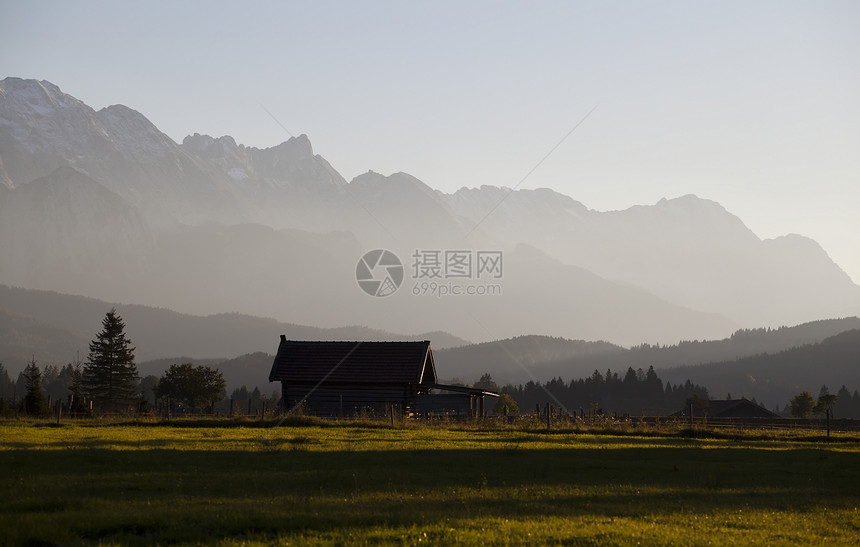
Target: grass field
(141,483)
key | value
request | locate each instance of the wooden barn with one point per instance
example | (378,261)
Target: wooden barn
(348,378)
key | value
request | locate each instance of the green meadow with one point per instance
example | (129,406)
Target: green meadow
(312,482)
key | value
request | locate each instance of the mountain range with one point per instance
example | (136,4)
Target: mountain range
(54,328)
(769,364)
(101,203)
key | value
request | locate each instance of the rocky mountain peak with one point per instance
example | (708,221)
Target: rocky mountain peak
(210,147)
(33,97)
(687,251)
(293,149)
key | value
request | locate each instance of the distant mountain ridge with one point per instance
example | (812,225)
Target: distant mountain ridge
(773,378)
(54,327)
(524,358)
(43,129)
(778,361)
(686,250)
(209,225)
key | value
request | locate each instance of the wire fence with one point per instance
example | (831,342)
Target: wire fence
(547,417)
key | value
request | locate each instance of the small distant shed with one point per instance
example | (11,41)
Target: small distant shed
(337,378)
(730,408)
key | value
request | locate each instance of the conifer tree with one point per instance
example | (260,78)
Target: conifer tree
(34,401)
(7,386)
(75,374)
(110,375)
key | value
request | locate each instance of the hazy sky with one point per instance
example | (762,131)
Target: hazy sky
(752,104)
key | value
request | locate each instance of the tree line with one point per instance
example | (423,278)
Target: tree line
(843,404)
(108,382)
(637,392)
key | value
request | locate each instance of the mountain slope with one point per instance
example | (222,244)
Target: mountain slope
(210,226)
(68,224)
(43,129)
(774,378)
(520,359)
(285,186)
(689,251)
(54,327)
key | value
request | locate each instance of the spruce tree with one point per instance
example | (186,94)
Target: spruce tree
(110,375)
(75,374)
(34,401)
(7,386)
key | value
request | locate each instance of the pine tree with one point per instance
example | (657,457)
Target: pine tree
(7,386)
(75,376)
(110,375)
(34,401)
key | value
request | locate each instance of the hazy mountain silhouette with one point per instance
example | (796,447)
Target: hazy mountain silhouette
(523,358)
(42,129)
(53,327)
(102,203)
(250,370)
(67,232)
(770,365)
(518,359)
(773,378)
(687,250)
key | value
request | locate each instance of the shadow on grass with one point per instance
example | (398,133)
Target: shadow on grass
(204,495)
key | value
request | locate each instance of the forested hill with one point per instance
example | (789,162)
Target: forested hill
(53,327)
(515,357)
(250,370)
(771,378)
(774,378)
(518,360)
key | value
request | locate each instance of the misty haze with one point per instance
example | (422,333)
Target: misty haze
(295,252)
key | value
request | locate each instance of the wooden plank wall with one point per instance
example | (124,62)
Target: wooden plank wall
(351,400)
(346,400)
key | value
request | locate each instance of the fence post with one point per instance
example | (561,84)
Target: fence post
(548,415)
(59,410)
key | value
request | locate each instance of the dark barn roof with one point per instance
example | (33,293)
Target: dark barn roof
(304,362)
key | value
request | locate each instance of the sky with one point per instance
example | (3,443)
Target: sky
(755,105)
